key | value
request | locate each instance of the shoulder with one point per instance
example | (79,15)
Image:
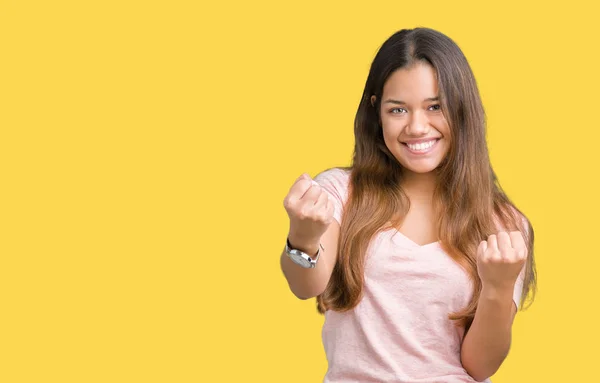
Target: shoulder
(339,177)
(335,172)
(335,181)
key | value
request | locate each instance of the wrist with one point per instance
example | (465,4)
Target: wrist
(497,292)
(308,246)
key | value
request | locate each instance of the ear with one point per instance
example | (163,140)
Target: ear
(373,99)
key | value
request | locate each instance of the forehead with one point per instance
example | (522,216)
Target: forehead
(416,82)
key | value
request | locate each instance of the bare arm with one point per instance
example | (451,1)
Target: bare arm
(308,283)
(488,340)
(311,223)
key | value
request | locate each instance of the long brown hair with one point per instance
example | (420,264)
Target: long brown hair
(468,198)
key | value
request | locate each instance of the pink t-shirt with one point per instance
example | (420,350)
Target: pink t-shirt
(400,331)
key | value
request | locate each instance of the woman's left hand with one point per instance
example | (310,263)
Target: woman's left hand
(501,258)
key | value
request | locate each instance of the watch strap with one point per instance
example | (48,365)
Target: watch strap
(312,261)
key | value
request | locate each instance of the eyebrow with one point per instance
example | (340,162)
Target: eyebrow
(399,102)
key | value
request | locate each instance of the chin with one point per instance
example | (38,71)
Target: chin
(420,168)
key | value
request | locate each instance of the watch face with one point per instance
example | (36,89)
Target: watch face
(299,259)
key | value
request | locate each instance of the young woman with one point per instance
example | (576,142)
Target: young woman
(418,259)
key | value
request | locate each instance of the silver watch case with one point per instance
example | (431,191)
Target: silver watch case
(301,258)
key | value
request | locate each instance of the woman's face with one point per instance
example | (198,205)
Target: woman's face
(414,128)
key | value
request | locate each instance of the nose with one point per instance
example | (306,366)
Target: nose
(418,124)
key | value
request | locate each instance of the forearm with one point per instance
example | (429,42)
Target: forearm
(308,283)
(305,283)
(487,342)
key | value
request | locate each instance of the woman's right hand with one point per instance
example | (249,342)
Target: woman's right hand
(310,212)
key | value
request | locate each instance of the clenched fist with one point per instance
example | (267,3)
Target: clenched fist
(501,258)
(309,209)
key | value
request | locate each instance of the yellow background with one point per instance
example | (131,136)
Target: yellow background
(146,148)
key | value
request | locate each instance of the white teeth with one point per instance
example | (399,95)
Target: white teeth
(421,146)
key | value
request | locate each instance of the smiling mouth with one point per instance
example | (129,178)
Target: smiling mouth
(421,147)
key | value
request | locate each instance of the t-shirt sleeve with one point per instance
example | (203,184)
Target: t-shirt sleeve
(335,183)
(518,291)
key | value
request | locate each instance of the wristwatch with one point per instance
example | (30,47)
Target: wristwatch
(300,257)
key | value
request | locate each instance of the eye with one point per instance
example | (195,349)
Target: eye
(401,109)
(435,107)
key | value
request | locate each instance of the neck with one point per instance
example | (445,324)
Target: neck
(419,186)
